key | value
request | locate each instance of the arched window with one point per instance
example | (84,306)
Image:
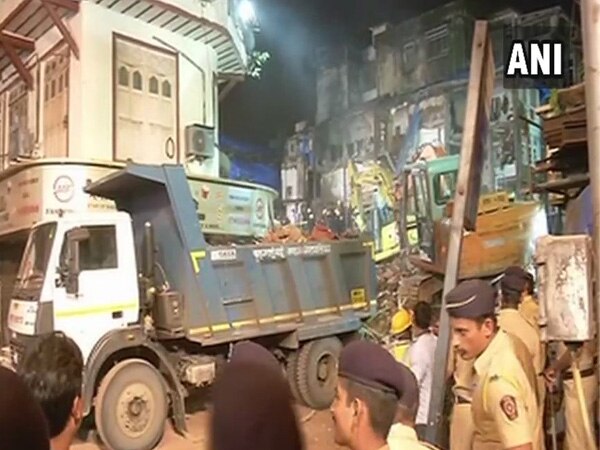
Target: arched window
(166,89)
(123,76)
(153,85)
(137,81)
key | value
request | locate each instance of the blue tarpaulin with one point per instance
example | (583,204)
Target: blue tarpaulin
(252,163)
(255,172)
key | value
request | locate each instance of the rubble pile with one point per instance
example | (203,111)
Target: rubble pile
(397,285)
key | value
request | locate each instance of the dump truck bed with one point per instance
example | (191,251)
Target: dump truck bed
(243,292)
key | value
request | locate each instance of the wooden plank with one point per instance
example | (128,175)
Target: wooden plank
(58,22)
(466,201)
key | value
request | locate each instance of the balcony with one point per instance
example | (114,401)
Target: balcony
(213,23)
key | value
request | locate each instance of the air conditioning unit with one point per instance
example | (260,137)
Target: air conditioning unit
(199,142)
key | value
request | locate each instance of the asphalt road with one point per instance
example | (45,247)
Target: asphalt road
(317,427)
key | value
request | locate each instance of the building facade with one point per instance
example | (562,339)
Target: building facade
(407,92)
(116,80)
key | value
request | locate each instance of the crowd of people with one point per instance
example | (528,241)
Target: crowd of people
(501,374)
(497,363)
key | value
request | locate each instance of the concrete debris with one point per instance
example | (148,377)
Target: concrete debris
(397,285)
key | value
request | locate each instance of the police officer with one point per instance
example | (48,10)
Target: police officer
(366,398)
(529,306)
(514,285)
(402,435)
(504,405)
(401,335)
(587,360)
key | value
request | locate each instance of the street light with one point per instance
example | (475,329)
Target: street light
(246,12)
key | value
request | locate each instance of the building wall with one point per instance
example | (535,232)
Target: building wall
(85,107)
(332,92)
(427,49)
(93,138)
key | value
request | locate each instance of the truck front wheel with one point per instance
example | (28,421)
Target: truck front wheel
(131,406)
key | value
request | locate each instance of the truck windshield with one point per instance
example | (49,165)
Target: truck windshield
(35,258)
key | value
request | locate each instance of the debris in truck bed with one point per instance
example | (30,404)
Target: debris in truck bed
(285,233)
(293,234)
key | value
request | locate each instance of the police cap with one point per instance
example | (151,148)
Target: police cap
(371,365)
(471,299)
(250,352)
(519,272)
(513,282)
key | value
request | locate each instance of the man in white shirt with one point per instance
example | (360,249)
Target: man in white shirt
(421,356)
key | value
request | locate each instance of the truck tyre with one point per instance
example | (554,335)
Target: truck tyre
(291,369)
(316,372)
(131,406)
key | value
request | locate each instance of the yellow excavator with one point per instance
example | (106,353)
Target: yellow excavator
(372,199)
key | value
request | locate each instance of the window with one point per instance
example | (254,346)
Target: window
(409,57)
(288,192)
(153,85)
(437,42)
(166,89)
(444,186)
(123,76)
(137,81)
(99,251)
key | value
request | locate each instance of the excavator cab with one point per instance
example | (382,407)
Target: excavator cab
(372,202)
(429,186)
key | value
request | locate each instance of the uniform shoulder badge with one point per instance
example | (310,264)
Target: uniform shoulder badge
(508,404)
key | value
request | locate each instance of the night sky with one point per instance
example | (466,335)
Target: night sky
(259,110)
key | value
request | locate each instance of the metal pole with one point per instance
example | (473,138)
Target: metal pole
(590,21)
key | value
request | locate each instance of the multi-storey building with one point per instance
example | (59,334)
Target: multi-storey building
(408,89)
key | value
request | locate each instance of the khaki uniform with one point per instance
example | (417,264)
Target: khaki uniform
(514,323)
(461,423)
(575,431)
(530,309)
(402,437)
(504,405)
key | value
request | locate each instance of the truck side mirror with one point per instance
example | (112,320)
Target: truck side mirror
(74,237)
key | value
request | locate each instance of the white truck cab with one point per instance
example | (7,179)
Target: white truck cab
(107,295)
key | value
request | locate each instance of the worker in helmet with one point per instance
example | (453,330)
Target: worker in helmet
(400,335)
(414,345)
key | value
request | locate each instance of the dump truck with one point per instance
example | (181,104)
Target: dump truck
(155,309)
(39,190)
